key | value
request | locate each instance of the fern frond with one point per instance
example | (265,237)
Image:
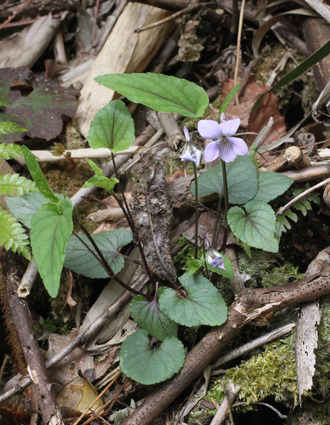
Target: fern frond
(11,184)
(10,127)
(10,150)
(12,235)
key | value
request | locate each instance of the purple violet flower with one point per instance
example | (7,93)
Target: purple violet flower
(213,257)
(224,145)
(190,152)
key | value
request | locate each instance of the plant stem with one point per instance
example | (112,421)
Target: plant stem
(216,225)
(225,195)
(124,206)
(196,211)
(102,260)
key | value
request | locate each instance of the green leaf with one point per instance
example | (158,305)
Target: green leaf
(160,92)
(147,366)
(99,180)
(298,71)
(271,185)
(227,273)
(38,175)
(255,226)
(283,224)
(112,128)
(50,231)
(10,127)
(203,304)
(12,235)
(24,207)
(241,177)
(11,184)
(82,261)
(10,150)
(193,265)
(229,97)
(148,316)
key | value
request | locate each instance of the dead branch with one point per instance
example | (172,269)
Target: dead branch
(172,5)
(24,326)
(309,173)
(251,304)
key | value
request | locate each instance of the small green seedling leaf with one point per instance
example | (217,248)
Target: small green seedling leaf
(100,180)
(271,185)
(82,261)
(147,366)
(193,264)
(12,235)
(227,272)
(37,175)
(148,316)
(14,184)
(50,231)
(229,97)
(202,305)
(241,177)
(112,128)
(10,150)
(255,225)
(160,92)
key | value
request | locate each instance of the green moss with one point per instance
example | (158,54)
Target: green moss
(271,373)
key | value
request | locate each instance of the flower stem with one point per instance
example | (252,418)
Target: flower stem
(196,211)
(225,195)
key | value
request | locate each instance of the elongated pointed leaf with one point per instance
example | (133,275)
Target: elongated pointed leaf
(147,315)
(37,175)
(160,92)
(271,185)
(82,261)
(229,97)
(241,177)
(203,304)
(112,128)
(255,225)
(147,366)
(50,232)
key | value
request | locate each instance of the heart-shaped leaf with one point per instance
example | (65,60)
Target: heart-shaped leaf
(160,92)
(112,128)
(38,175)
(147,366)
(241,177)
(271,185)
(148,316)
(202,305)
(79,259)
(255,225)
(51,228)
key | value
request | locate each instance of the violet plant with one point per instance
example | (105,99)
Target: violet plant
(193,300)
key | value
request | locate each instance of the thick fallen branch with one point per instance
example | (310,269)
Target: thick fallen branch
(251,304)
(34,360)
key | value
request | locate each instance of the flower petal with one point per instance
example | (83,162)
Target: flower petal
(227,152)
(211,151)
(191,153)
(186,133)
(209,129)
(229,128)
(239,145)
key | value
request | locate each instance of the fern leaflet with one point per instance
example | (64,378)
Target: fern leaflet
(10,127)
(12,235)
(11,184)
(9,150)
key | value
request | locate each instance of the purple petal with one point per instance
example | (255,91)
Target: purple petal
(227,152)
(239,145)
(191,153)
(229,128)
(209,129)
(186,133)
(211,151)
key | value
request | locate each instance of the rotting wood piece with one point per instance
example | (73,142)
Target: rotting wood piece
(153,217)
(24,325)
(251,304)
